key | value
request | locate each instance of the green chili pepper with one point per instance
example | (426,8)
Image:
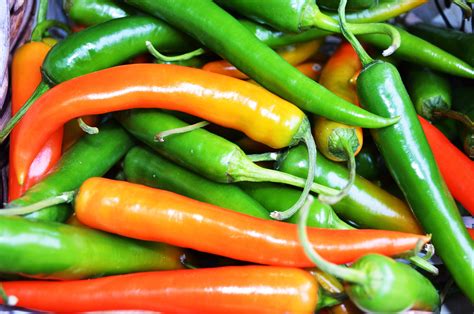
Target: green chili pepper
(92,155)
(278,197)
(421,52)
(463,102)
(366,205)
(458,43)
(87,12)
(213,27)
(201,151)
(100,47)
(369,162)
(144,167)
(411,163)
(352,5)
(57,251)
(429,91)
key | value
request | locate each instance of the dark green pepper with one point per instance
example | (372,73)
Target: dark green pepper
(91,156)
(369,163)
(144,167)
(57,251)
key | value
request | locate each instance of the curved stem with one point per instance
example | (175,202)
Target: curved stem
(455,115)
(333,199)
(347,274)
(9,300)
(272,156)
(40,90)
(363,56)
(466,10)
(41,28)
(186,56)
(160,137)
(185,263)
(42,11)
(62,198)
(87,128)
(423,264)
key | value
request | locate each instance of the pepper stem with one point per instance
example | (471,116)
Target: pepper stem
(186,56)
(40,90)
(312,154)
(455,115)
(160,137)
(363,55)
(62,198)
(322,21)
(351,164)
(7,300)
(347,274)
(41,28)
(87,128)
(272,156)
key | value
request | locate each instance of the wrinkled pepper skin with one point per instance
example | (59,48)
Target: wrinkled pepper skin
(57,251)
(144,167)
(93,155)
(412,165)
(366,205)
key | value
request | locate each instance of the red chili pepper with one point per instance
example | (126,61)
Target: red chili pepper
(457,169)
(471,232)
(238,289)
(141,212)
(26,76)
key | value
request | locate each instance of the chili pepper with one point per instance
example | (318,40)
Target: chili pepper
(449,128)
(456,42)
(278,197)
(149,214)
(220,99)
(352,5)
(412,165)
(456,168)
(143,167)
(87,12)
(108,44)
(463,102)
(72,131)
(213,26)
(471,232)
(233,289)
(310,69)
(421,52)
(366,204)
(293,54)
(26,76)
(57,251)
(92,155)
(429,91)
(369,163)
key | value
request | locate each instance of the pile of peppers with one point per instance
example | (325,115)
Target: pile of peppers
(238,156)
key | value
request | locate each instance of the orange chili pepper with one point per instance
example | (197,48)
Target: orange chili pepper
(142,212)
(232,289)
(26,76)
(310,69)
(293,54)
(220,99)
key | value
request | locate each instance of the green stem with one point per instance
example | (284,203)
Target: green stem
(333,199)
(272,156)
(7,300)
(423,264)
(363,55)
(41,28)
(40,90)
(87,128)
(347,274)
(185,263)
(160,137)
(183,57)
(42,11)
(65,197)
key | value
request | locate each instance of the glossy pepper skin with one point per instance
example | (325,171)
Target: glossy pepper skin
(145,213)
(233,289)
(144,167)
(210,24)
(458,43)
(411,163)
(26,76)
(57,251)
(87,12)
(92,155)
(421,52)
(367,205)
(217,98)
